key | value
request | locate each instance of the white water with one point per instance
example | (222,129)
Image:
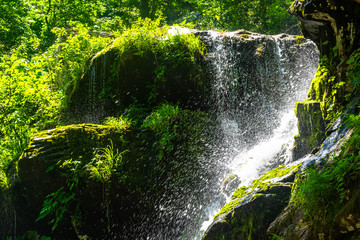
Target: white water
(252,160)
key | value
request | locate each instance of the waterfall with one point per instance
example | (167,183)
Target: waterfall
(256,82)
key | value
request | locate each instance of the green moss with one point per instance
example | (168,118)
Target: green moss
(278,172)
(228,207)
(311,125)
(318,84)
(261,184)
(240,192)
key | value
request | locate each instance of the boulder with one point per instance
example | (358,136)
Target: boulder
(252,209)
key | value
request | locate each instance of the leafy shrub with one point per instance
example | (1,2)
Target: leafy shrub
(164,122)
(28,102)
(354,70)
(70,55)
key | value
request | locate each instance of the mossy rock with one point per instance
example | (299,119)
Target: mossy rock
(254,207)
(311,127)
(39,176)
(103,209)
(250,220)
(118,78)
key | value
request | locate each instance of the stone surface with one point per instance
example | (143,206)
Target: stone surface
(264,69)
(253,208)
(332,22)
(311,127)
(249,220)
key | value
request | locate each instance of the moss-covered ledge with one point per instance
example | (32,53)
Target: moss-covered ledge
(252,208)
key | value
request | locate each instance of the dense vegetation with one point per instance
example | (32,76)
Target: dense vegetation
(45,47)
(30,21)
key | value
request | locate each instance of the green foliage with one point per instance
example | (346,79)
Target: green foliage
(136,114)
(56,203)
(162,117)
(13,24)
(22,20)
(3,181)
(164,121)
(104,163)
(28,103)
(254,15)
(31,235)
(354,70)
(120,123)
(323,190)
(102,168)
(69,56)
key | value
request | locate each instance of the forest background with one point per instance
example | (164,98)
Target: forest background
(45,47)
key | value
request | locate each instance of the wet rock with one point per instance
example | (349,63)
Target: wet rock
(250,219)
(253,208)
(39,173)
(311,127)
(334,22)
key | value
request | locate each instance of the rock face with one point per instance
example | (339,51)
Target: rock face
(103,182)
(117,79)
(332,22)
(42,172)
(311,127)
(251,219)
(260,71)
(254,208)
(333,26)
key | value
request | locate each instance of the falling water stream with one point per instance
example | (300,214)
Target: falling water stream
(253,98)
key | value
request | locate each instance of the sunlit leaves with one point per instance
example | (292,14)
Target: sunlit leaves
(27,103)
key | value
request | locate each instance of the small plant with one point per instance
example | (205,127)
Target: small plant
(121,123)
(105,162)
(163,116)
(56,203)
(163,121)
(102,168)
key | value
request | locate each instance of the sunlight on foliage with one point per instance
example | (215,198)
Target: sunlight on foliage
(28,103)
(104,163)
(162,117)
(120,123)
(70,54)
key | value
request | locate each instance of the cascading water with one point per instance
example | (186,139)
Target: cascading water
(256,83)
